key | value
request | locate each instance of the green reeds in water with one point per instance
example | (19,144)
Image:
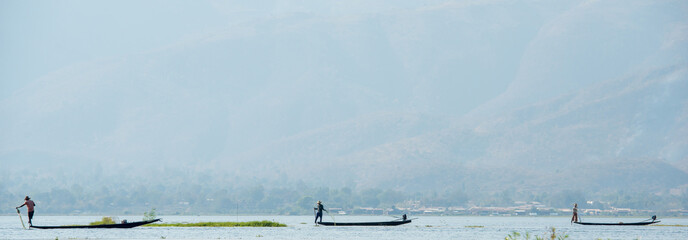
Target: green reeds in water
(105,220)
(669,225)
(263,223)
(550,235)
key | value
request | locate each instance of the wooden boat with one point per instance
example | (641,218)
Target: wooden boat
(116,225)
(387,223)
(620,223)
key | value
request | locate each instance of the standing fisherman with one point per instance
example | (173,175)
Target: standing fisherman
(319,208)
(29,204)
(575,213)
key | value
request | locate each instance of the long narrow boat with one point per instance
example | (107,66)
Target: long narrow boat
(619,223)
(117,225)
(387,223)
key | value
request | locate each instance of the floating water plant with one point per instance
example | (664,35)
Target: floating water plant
(551,234)
(669,225)
(105,220)
(147,216)
(263,223)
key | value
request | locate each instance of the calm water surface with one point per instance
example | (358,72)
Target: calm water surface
(302,227)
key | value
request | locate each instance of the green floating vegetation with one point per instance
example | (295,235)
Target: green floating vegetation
(550,235)
(105,220)
(669,225)
(148,216)
(263,223)
(475,226)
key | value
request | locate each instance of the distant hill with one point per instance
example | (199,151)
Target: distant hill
(619,134)
(451,95)
(593,106)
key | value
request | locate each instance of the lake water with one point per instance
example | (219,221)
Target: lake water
(302,227)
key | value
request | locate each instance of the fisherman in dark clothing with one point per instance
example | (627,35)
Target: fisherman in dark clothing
(319,208)
(575,213)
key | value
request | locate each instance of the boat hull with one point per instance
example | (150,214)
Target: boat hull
(617,224)
(118,225)
(388,223)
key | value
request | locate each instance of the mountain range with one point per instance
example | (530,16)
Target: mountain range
(482,96)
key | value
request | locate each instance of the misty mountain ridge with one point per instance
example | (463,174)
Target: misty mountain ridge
(554,142)
(394,100)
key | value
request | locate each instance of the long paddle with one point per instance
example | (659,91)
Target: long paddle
(20,219)
(333,221)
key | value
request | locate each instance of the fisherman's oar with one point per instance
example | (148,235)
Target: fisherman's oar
(20,219)
(333,221)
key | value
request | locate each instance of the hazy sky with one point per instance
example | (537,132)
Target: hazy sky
(43,36)
(39,37)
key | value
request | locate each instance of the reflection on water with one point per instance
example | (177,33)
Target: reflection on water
(302,227)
